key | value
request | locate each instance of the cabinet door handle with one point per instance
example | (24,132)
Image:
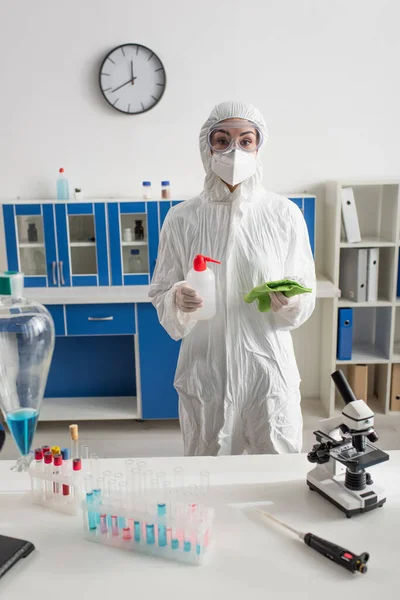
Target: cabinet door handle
(53,264)
(100,318)
(60,268)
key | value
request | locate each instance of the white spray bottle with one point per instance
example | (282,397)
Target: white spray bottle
(202,280)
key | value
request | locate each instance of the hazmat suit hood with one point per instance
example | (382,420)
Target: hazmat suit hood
(213,185)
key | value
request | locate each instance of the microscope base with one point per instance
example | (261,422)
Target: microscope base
(349,501)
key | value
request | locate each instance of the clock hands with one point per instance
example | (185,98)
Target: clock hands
(124,84)
(131,80)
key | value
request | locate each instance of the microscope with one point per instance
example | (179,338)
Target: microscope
(343,452)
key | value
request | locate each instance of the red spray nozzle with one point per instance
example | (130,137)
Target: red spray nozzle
(200,262)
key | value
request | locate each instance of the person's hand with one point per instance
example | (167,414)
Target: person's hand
(279,301)
(187,299)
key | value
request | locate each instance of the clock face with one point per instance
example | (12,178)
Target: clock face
(132,79)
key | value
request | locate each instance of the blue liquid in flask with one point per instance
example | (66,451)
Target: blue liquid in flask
(22,424)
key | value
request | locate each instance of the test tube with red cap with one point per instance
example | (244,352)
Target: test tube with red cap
(76,466)
(38,484)
(57,471)
(66,454)
(48,469)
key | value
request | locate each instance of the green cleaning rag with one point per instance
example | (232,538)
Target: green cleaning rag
(262,292)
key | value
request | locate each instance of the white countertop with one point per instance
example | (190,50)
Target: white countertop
(254,561)
(134,293)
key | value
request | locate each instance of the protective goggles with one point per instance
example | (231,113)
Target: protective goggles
(231,134)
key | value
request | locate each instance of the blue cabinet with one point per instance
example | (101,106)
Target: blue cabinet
(134,231)
(57,245)
(158,356)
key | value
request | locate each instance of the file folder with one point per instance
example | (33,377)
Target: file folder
(349,216)
(345,334)
(358,380)
(395,392)
(353,273)
(398,278)
(372,274)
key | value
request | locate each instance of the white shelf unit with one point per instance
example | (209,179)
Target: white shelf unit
(376,325)
(133,244)
(89,409)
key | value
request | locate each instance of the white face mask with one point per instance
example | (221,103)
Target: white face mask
(234,167)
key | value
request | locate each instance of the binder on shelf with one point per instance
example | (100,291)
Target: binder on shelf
(358,380)
(345,334)
(350,217)
(398,278)
(353,273)
(372,274)
(395,391)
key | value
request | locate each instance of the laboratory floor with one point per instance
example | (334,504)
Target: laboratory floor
(116,439)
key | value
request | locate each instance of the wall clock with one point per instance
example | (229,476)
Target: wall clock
(132,79)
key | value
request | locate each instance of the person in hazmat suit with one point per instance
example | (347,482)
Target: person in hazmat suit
(237,377)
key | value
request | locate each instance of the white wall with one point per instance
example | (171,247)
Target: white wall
(323,72)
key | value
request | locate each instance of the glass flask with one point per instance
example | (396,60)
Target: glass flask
(26,349)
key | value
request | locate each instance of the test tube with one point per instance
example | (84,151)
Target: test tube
(97,495)
(94,466)
(89,501)
(57,458)
(48,469)
(103,523)
(204,482)
(161,503)
(174,530)
(111,500)
(187,530)
(126,533)
(191,497)
(178,482)
(168,508)
(123,499)
(137,503)
(66,454)
(73,431)
(38,484)
(129,462)
(106,477)
(85,456)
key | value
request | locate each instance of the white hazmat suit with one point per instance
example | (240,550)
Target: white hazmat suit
(237,377)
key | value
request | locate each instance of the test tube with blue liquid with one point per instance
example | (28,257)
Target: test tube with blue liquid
(161,509)
(122,501)
(89,500)
(151,508)
(137,502)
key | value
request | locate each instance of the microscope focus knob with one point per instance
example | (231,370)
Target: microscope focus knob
(373,437)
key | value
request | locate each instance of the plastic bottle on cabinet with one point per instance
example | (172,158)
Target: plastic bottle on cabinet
(146,190)
(62,186)
(202,280)
(165,190)
(135,262)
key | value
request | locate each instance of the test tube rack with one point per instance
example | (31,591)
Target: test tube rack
(58,483)
(62,492)
(173,523)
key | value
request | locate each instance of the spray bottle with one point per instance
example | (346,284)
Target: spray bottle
(202,280)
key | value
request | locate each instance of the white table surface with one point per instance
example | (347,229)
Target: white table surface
(251,560)
(134,293)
